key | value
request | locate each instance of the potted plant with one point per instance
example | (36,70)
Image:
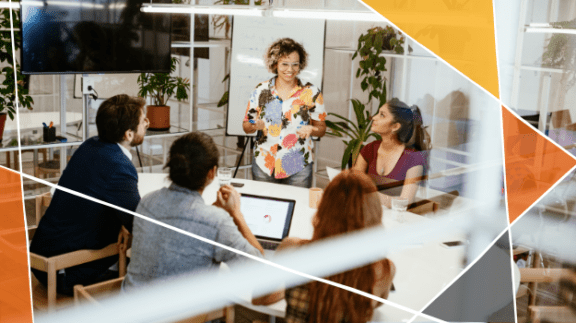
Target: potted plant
(161,87)
(371,67)
(8,86)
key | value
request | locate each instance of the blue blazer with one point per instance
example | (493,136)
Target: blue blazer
(98,169)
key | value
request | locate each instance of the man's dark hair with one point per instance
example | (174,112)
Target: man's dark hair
(117,115)
(192,156)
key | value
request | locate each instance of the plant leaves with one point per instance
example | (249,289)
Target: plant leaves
(347,153)
(359,111)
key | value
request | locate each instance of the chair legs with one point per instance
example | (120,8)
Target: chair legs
(229,314)
(51,285)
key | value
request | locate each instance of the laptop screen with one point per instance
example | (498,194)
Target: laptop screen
(267,217)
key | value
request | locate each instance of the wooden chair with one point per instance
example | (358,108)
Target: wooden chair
(51,265)
(112,287)
(548,275)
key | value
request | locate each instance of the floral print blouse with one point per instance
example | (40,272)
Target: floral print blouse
(280,150)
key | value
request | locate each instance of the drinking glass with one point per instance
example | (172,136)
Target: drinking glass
(399,204)
(224,176)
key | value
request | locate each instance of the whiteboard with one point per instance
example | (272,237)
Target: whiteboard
(251,37)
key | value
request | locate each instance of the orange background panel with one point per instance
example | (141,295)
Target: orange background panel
(15,303)
(459,31)
(533,164)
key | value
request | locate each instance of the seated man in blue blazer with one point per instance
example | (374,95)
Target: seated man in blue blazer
(101,168)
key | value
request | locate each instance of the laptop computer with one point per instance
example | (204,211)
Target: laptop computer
(269,218)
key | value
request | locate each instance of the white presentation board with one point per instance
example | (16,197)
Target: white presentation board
(251,37)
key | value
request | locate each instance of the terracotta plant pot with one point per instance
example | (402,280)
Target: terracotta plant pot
(159,117)
(3,116)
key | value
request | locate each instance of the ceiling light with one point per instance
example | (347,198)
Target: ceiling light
(218,10)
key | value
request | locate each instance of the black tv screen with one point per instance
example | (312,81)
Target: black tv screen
(96,36)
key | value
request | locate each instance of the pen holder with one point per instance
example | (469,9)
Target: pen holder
(315,197)
(49,134)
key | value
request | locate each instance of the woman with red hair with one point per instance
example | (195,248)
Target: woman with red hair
(350,203)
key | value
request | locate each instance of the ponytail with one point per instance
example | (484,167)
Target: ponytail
(412,131)
(420,138)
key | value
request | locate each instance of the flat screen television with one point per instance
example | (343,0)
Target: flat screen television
(93,36)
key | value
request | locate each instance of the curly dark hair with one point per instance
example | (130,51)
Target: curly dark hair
(281,48)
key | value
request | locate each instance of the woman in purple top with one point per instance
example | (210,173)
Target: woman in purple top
(400,158)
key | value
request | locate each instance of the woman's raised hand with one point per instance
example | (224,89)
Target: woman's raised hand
(259,124)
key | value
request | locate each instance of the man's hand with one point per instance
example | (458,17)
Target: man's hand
(229,199)
(306,131)
(124,240)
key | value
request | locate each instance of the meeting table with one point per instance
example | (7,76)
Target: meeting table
(422,271)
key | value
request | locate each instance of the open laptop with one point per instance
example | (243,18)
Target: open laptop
(269,218)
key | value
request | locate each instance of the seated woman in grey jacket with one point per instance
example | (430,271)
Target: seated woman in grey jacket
(158,252)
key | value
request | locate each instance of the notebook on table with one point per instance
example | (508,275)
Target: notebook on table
(269,218)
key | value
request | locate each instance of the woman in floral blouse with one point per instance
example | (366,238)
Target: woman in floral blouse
(286,113)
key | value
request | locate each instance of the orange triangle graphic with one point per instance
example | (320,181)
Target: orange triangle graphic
(533,164)
(459,31)
(14,280)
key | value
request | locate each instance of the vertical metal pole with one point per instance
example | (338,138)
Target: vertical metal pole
(63,128)
(193,112)
(432,128)
(85,97)
(544,102)
(404,72)
(518,57)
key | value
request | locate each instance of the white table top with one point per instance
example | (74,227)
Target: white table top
(33,120)
(421,272)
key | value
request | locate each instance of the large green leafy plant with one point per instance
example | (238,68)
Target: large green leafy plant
(8,86)
(371,68)
(162,86)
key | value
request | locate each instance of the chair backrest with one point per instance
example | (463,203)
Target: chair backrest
(42,201)
(112,287)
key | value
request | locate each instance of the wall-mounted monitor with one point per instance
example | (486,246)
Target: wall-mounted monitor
(93,36)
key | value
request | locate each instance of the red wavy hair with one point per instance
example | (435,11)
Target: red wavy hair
(345,207)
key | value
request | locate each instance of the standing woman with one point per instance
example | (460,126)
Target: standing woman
(400,158)
(287,113)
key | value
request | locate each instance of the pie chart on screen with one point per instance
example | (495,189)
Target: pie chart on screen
(267,218)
